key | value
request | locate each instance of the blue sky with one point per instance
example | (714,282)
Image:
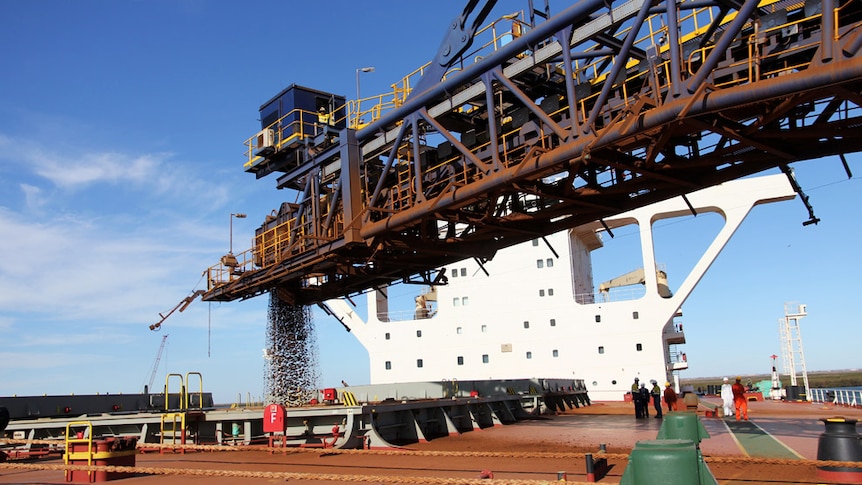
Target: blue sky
(121,131)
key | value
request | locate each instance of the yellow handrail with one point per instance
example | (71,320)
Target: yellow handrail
(200,391)
(168,394)
(67,455)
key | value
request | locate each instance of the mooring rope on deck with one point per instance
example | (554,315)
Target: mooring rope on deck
(279,475)
(462,454)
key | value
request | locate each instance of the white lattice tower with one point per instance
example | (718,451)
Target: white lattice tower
(793,355)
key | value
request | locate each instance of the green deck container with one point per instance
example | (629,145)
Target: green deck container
(667,462)
(682,425)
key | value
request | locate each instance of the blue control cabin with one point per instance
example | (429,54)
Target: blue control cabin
(295,124)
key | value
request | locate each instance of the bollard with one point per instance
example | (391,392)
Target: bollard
(596,469)
(591,471)
(839,442)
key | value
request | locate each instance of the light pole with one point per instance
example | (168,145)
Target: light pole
(358,111)
(361,69)
(238,216)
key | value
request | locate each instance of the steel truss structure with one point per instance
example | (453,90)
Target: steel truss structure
(598,109)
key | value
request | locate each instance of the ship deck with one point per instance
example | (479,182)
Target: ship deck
(777,445)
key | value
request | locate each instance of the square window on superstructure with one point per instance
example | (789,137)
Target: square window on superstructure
(460,360)
(456,301)
(387,335)
(463,271)
(484,358)
(484,328)
(555,353)
(535,242)
(541,292)
(526,324)
(635,315)
(601,349)
(454,272)
(598,318)
(550,292)
(418,362)
(529,355)
(549,263)
(388,365)
(464,301)
(419,333)
(553,322)
(459,330)
(540,264)
(639,347)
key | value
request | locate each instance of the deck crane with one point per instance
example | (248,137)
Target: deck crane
(156,364)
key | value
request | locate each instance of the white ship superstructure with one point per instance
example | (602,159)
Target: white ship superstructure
(534,311)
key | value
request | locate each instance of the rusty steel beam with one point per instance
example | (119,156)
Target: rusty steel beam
(582,148)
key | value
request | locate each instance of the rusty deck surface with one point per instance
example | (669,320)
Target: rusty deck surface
(536,449)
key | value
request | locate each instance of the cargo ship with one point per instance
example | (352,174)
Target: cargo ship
(535,311)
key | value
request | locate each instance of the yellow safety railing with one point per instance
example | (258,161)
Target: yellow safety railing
(87,437)
(291,129)
(200,392)
(168,394)
(175,418)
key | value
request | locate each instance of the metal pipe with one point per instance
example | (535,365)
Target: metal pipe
(387,166)
(491,108)
(742,16)
(619,64)
(575,148)
(498,74)
(565,38)
(673,43)
(852,47)
(827,29)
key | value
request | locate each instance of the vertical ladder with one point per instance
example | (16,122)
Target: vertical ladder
(175,433)
(793,356)
(545,14)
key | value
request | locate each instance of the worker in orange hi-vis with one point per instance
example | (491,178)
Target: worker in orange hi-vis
(739,401)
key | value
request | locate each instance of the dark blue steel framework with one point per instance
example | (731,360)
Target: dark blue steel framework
(535,138)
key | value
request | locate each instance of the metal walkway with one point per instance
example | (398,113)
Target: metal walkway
(755,441)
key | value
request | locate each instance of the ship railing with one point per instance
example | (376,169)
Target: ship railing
(612,295)
(838,397)
(403,315)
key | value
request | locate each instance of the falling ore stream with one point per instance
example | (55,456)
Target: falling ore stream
(291,372)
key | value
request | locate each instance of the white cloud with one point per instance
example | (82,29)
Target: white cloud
(74,172)
(93,168)
(33,197)
(99,269)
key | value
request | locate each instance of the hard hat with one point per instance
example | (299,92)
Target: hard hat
(667,384)
(738,378)
(653,381)
(725,379)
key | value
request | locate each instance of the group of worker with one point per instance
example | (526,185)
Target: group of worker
(642,396)
(732,396)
